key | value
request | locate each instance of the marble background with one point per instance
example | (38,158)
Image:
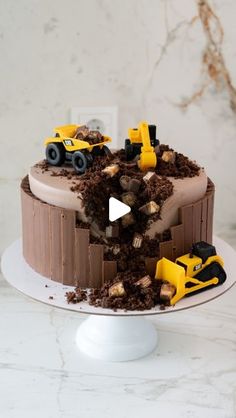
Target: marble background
(171,62)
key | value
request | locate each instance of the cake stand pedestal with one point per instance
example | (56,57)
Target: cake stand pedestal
(116,338)
(107,335)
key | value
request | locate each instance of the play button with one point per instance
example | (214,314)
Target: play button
(117,209)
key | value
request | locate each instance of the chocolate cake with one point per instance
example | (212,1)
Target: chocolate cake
(67,235)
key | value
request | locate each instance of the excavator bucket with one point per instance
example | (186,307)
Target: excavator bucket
(174,274)
(148,159)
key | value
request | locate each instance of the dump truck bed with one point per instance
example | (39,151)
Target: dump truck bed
(67,132)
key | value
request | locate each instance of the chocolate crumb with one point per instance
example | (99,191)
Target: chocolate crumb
(77,296)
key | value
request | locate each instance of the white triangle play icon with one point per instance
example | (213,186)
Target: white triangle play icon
(117,209)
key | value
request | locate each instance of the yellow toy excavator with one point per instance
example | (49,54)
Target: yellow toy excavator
(191,273)
(141,142)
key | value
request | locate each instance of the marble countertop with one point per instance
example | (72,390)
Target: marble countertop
(191,374)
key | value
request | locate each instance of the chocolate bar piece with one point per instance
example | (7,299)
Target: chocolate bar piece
(167,292)
(128,198)
(168,156)
(150,208)
(144,282)
(117,290)
(111,170)
(124,182)
(127,220)
(148,176)
(116,249)
(134,185)
(137,240)
(112,231)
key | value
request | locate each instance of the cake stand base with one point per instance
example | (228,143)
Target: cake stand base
(115,338)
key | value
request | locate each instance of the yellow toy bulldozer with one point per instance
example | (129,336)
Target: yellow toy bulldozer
(66,145)
(191,273)
(142,141)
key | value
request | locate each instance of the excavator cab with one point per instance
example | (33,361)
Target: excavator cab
(203,250)
(201,255)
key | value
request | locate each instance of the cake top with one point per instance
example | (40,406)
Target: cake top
(138,175)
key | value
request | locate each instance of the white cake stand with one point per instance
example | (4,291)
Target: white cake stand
(105,334)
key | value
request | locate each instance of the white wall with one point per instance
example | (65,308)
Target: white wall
(144,56)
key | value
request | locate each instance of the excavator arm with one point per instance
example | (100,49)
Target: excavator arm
(148,158)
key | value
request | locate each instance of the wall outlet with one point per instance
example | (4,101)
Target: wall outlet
(103,119)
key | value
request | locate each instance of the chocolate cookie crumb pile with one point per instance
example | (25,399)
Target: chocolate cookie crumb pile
(111,176)
(174,164)
(128,291)
(85,134)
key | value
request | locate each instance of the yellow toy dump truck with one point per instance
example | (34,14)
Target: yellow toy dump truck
(191,273)
(75,143)
(142,141)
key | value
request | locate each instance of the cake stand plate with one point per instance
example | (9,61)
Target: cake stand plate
(105,334)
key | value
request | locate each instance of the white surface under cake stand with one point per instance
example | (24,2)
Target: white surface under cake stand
(105,334)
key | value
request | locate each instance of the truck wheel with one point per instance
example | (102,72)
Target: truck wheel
(89,159)
(55,154)
(105,150)
(129,150)
(79,162)
(100,152)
